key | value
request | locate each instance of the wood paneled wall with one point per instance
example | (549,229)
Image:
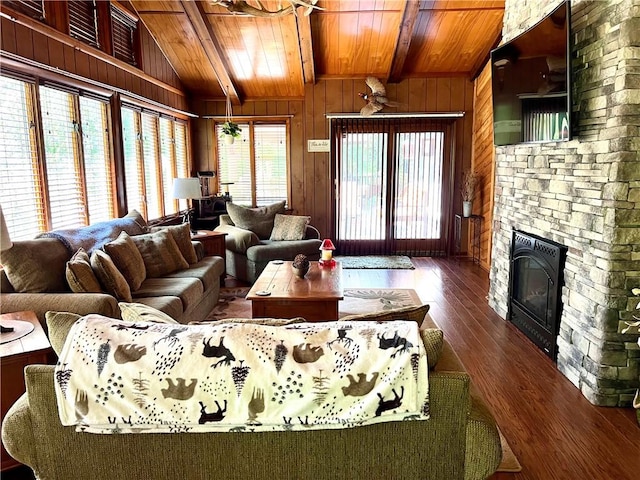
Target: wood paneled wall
(37,42)
(310,175)
(484,160)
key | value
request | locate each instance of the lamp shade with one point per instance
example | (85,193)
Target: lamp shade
(186,188)
(5,239)
(327,244)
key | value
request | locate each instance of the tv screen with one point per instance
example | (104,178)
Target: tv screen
(531,83)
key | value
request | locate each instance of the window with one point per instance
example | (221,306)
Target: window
(65,180)
(154,154)
(32,8)
(124,30)
(83,21)
(257,174)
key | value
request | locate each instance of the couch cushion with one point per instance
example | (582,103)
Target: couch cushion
(170,305)
(413,312)
(160,253)
(58,326)
(128,260)
(271,250)
(273,322)
(36,266)
(189,290)
(139,312)
(258,220)
(182,235)
(208,271)
(289,227)
(110,278)
(80,275)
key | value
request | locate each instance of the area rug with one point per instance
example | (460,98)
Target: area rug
(509,461)
(391,262)
(356,300)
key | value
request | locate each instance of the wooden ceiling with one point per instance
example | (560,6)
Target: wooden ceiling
(214,51)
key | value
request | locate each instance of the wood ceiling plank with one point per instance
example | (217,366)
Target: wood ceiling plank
(305,44)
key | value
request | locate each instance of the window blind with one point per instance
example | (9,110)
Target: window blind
(20,192)
(123,29)
(270,163)
(167,161)
(60,127)
(132,160)
(234,166)
(182,162)
(98,165)
(83,22)
(151,155)
(32,8)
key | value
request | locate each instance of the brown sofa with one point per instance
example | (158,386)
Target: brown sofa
(459,441)
(35,275)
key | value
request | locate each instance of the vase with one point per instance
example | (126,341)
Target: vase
(300,271)
(466,209)
(228,139)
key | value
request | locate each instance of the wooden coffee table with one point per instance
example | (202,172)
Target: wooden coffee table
(314,297)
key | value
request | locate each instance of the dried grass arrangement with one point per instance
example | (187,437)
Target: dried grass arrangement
(469,182)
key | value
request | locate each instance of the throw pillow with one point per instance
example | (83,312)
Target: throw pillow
(289,227)
(433,339)
(58,326)
(182,235)
(139,312)
(413,312)
(258,220)
(110,278)
(127,259)
(80,276)
(160,253)
(36,266)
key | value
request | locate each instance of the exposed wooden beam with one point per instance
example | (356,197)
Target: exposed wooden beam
(403,42)
(303,23)
(197,16)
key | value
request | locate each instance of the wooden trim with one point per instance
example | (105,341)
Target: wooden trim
(56,15)
(118,155)
(197,17)
(105,40)
(89,50)
(403,42)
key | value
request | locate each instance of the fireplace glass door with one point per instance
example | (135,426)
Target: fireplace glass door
(532,286)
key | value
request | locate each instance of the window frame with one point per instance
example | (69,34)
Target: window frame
(251,123)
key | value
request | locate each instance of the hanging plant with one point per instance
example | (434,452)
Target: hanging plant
(231,128)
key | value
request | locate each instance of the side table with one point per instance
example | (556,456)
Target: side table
(213,243)
(475,225)
(34,347)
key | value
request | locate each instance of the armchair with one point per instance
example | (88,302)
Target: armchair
(247,254)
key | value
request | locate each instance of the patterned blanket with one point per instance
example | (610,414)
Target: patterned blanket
(121,377)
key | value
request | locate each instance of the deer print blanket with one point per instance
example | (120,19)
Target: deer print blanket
(121,377)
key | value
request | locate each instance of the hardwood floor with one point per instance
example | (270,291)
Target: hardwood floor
(553,430)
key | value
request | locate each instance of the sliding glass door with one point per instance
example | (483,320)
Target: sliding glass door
(392,185)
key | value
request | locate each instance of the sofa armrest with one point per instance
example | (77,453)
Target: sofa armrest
(311,233)
(238,239)
(483,448)
(40,303)
(225,219)
(17,432)
(199,248)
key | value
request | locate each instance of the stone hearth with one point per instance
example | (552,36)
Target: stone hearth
(584,194)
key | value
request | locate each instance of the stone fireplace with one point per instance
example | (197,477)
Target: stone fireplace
(583,194)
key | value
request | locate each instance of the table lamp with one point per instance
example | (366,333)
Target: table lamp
(189,189)
(326,257)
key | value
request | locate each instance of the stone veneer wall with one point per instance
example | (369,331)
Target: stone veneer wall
(584,194)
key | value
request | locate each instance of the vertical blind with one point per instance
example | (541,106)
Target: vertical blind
(393,185)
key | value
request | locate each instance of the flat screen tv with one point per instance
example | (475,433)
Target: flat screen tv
(531,83)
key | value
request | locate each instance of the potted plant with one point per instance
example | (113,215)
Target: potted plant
(630,327)
(231,131)
(469,182)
